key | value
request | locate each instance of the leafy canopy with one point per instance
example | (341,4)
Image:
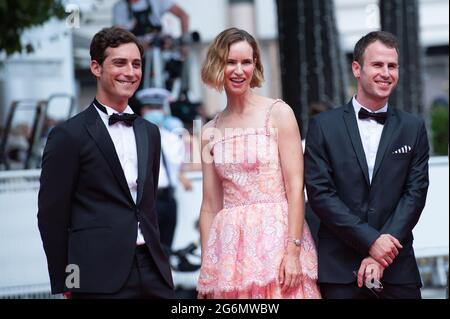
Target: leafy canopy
(18,15)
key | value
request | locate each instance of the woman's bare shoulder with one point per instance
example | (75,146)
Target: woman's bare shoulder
(282,115)
(281,109)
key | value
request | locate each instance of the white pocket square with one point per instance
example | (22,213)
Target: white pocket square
(403,150)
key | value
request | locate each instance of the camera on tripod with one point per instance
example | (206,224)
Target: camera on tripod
(173,56)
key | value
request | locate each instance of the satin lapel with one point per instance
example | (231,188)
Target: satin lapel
(99,133)
(142,152)
(353,132)
(386,136)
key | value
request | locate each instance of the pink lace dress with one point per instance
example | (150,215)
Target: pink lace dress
(248,237)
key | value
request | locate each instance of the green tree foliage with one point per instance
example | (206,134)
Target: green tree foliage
(18,15)
(439,128)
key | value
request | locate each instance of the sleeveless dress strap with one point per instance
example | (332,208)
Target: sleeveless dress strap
(266,124)
(214,126)
(215,120)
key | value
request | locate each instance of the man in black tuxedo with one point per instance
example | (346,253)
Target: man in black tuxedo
(366,175)
(99,180)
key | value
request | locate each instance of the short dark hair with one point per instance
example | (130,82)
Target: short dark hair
(111,38)
(387,38)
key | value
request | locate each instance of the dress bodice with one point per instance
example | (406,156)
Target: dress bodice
(248,164)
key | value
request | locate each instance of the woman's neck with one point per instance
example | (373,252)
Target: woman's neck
(239,103)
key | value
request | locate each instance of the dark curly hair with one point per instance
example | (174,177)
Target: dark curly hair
(111,38)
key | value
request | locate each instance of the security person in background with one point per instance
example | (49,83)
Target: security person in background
(155,108)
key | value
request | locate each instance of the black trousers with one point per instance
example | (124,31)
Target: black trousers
(144,281)
(352,291)
(166,207)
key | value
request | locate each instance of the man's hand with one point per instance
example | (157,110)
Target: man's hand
(385,249)
(369,270)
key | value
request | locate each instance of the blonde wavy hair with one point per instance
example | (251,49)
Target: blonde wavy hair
(214,65)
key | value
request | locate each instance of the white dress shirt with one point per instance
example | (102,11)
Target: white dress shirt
(125,145)
(370,133)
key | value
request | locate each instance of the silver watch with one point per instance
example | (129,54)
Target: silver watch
(297,242)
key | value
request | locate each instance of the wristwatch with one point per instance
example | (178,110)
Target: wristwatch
(297,242)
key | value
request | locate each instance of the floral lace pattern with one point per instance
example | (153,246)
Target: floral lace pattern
(248,237)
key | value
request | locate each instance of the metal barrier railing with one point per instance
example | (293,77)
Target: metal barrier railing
(37,112)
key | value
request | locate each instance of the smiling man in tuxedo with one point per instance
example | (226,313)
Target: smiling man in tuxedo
(98,185)
(366,175)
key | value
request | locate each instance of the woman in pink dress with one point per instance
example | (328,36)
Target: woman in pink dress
(255,242)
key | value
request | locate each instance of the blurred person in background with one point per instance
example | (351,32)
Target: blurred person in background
(143,19)
(154,109)
(144,16)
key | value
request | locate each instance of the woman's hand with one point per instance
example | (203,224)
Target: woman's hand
(290,274)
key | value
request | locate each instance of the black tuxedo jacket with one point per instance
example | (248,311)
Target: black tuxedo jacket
(86,215)
(355,212)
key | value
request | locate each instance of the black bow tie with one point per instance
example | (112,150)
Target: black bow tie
(379,117)
(126,118)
